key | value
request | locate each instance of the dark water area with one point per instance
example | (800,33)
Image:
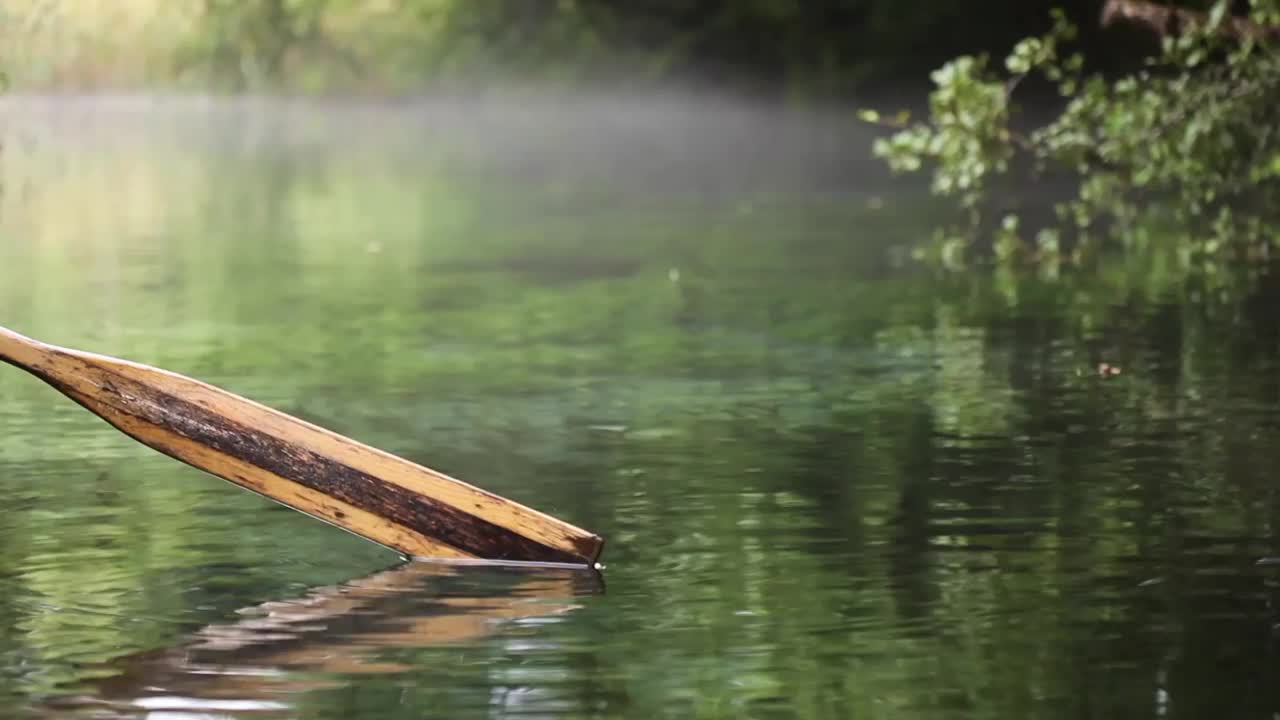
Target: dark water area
(834,483)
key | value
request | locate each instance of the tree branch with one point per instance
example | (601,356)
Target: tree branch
(1165,20)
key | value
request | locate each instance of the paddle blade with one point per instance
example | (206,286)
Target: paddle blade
(387,499)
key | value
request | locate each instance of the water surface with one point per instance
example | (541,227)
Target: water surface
(834,484)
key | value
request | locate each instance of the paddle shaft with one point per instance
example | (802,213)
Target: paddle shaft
(18,350)
(389,500)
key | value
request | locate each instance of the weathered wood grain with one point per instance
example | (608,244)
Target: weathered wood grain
(387,499)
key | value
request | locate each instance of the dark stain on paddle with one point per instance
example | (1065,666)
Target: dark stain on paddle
(323,474)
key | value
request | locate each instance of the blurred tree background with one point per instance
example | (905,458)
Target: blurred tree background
(816,48)
(1144,114)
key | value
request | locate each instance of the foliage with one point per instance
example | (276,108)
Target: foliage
(817,48)
(1189,141)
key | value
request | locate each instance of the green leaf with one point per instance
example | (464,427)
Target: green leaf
(1217,14)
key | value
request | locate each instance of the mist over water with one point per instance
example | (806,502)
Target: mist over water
(648,143)
(833,483)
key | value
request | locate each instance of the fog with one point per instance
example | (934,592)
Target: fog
(644,143)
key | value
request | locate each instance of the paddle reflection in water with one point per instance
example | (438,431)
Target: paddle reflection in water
(257,665)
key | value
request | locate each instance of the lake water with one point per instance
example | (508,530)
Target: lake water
(834,484)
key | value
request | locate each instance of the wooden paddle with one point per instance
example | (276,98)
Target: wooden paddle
(389,500)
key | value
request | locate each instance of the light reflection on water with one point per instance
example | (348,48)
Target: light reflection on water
(831,486)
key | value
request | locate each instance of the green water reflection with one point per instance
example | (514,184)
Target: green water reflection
(833,485)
